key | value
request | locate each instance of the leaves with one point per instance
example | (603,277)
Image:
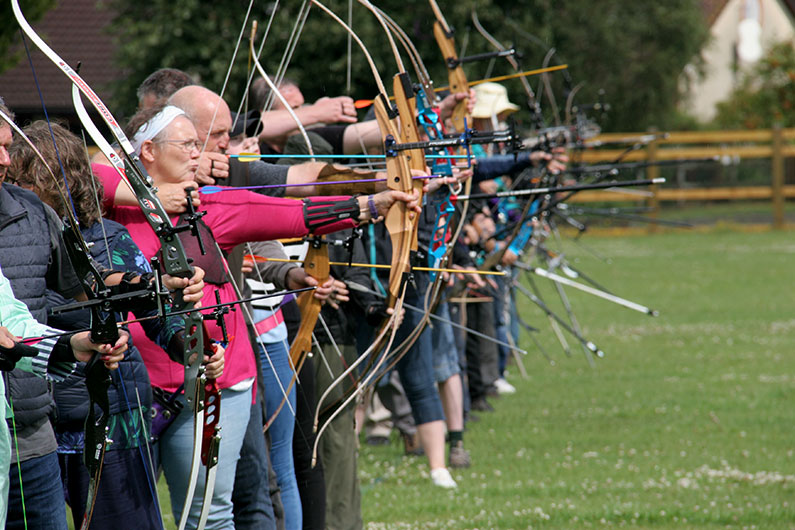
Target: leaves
(9,33)
(634,51)
(764,97)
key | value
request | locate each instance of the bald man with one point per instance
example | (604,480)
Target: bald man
(211,116)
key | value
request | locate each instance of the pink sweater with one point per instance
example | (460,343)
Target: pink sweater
(234,216)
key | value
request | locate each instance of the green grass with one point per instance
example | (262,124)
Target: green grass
(688,421)
(696,213)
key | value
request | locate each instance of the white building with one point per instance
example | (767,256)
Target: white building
(740,33)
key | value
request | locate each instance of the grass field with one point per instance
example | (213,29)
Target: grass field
(688,421)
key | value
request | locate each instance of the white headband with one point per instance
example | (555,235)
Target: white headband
(153,127)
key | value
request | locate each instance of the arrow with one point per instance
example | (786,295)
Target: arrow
(378,266)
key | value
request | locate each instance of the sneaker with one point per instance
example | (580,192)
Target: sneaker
(481,405)
(459,457)
(504,387)
(442,478)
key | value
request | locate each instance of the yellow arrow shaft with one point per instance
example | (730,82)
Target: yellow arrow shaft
(513,76)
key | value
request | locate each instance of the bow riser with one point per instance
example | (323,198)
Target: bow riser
(399,220)
(407,111)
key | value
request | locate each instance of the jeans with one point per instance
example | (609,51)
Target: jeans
(416,367)
(45,507)
(252,501)
(445,353)
(502,321)
(277,374)
(126,490)
(175,455)
(460,336)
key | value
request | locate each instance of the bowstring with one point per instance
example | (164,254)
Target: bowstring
(149,470)
(285,392)
(19,467)
(261,342)
(349,65)
(226,78)
(250,74)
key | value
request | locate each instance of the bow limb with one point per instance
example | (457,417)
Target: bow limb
(275,90)
(531,97)
(316,264)
(457,79)
(365,381)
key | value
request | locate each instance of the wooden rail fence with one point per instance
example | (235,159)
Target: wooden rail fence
(775,144)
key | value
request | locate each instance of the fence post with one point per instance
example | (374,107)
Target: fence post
(777,186)
(653,172)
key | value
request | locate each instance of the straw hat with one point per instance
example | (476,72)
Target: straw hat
(492,100)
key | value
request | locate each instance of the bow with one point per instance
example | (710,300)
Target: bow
(445,39)
(457,80)
(438,249)
(399,223)
(103,330)
(174,259)
(532,103)
(316,264)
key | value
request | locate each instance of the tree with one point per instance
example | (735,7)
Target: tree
(764,97)
(633,50)
(10,52)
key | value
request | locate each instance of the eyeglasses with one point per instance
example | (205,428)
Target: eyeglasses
(185,145)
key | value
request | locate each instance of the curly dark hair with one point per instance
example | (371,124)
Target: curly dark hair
(29,171)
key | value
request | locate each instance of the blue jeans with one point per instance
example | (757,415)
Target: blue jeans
(175,455)
(45,507)
(445,353)
(502,321)
(416,367)
(282,427)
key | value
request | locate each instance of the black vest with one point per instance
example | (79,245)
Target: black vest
(25,255)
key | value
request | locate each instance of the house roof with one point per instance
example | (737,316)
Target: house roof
(711,9)
(76,30)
